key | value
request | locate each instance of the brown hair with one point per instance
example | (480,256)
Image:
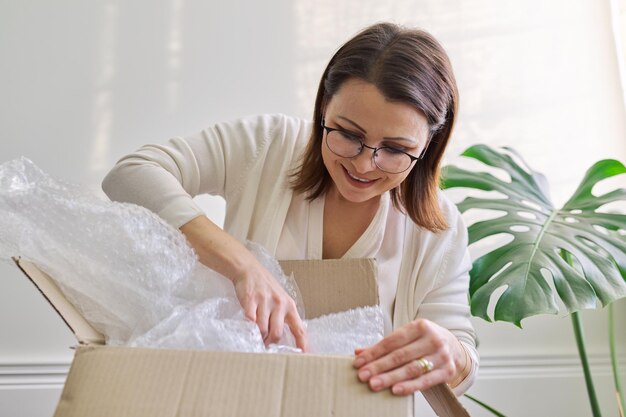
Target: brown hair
(406,65)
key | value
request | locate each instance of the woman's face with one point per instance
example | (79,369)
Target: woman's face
(360,109)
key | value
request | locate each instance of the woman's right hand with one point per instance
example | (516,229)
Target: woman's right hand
(263,300)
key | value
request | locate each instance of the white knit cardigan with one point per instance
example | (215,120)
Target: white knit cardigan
(248,162)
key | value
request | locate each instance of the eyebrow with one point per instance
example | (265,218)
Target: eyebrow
(400,138)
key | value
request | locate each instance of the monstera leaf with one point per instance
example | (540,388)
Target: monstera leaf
(582,252)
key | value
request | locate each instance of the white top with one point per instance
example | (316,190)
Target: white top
(421,274)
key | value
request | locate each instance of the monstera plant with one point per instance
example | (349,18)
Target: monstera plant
(575,254)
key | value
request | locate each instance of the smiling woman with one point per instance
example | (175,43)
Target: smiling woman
(359,105)
(360,181)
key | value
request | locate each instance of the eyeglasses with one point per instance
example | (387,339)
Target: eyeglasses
(386,158)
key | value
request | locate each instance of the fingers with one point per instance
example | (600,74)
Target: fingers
(276,324)
(402,361)
(411,377)
(394,341)
(422,383)
(297,329)
(289,316)
(262,319)
(271,308)
(258,312)
(409,371)
(270,318)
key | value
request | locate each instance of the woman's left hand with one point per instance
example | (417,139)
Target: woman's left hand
(401,361)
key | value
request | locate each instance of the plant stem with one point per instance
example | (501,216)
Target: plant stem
(579,334)
(614,364)
(485,406)
(582,352)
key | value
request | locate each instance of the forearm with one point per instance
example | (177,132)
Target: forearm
(216,248)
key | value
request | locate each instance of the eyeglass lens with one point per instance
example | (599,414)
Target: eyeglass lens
(387,159)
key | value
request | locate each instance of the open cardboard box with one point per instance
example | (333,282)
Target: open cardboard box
(136,382)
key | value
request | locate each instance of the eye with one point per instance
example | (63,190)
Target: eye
(393,150)
(349,136)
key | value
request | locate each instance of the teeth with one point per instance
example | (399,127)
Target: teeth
(357,178)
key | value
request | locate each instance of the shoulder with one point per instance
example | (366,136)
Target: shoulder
(259,135)
(268,125)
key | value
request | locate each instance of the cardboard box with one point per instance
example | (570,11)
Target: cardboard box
(119,381)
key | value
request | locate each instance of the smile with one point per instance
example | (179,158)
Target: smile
(358,179)
(355,178)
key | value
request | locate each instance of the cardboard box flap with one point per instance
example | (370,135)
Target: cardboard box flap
(81,328)
(334,285)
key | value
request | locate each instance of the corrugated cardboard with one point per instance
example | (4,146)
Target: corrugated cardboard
(74,320)
(334,285)
(115,381)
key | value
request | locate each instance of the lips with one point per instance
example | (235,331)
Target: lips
(358,181)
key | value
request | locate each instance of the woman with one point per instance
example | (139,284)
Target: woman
(360,181)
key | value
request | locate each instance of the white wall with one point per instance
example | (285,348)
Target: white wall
(82,83)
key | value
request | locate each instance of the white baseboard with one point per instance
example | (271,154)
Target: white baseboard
(552,366)
(25,375)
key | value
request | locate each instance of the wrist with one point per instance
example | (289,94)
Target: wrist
(240,263)
(463,364)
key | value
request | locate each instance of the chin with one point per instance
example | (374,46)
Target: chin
(356,196)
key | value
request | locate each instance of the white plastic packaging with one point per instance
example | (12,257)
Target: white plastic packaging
(135,278)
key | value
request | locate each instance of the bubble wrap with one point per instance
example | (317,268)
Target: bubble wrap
(110,260)
(341,333)
(135,278)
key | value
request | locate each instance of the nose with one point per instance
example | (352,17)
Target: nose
(364,161)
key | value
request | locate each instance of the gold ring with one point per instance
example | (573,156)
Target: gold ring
(426,365)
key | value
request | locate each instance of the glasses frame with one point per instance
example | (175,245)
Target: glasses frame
(374,149)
